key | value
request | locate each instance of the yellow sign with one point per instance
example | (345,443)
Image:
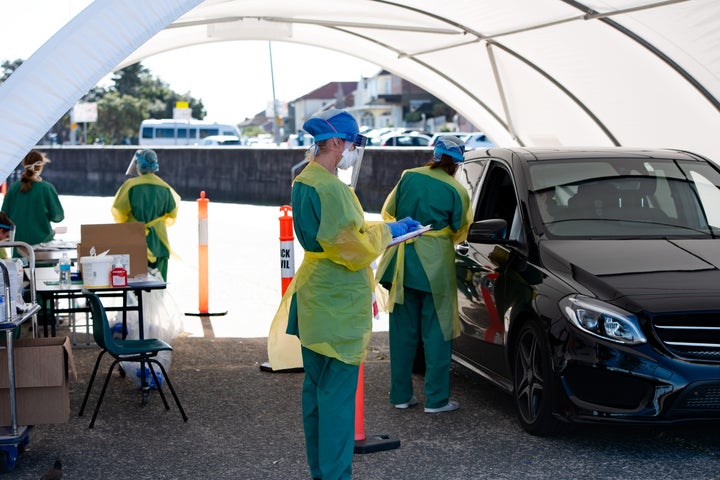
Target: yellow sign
(182,105)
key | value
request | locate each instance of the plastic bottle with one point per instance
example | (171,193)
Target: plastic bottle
(64,267)
(118,275)
(2,309)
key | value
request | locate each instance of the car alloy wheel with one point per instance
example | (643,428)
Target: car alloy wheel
(533,381)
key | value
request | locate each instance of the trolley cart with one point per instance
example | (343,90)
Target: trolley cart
(14,438)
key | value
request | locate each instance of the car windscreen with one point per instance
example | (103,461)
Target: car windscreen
(625,198)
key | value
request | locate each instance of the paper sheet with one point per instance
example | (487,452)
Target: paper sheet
(408,236)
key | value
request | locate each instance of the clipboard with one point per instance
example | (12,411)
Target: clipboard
(415,233)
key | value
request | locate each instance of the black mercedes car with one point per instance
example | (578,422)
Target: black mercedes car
(589,286)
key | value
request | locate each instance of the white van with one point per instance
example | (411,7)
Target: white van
(181,132)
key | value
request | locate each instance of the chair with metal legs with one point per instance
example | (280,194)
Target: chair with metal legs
(144,350)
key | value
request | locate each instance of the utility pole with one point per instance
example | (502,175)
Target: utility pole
(276,117)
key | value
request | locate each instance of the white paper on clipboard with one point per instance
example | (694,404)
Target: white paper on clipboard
(401,238)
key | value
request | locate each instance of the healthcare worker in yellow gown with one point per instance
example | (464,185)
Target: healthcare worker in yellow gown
(329,301)
(420,275)
(149,199)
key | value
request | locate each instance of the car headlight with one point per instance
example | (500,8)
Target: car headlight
(602,319)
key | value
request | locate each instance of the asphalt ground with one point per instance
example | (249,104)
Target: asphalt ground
(245,423)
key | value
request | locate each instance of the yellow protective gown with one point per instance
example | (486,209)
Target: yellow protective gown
(332,288)
(162,216)
(436,254)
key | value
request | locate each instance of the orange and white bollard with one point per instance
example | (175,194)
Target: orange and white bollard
(203,281)
(287,248)
(281,346)
(203,277)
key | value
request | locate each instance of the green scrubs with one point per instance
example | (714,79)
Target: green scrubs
(150,200)
(32,211)
(420,275)
(330,310)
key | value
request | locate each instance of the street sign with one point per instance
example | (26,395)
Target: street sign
(83,112)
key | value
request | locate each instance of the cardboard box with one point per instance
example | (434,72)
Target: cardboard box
(43,368)
(119,238)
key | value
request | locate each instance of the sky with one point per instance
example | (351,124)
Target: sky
(233,79)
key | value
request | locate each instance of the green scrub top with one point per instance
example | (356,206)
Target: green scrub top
(427,263)
(150,200)
(32,211)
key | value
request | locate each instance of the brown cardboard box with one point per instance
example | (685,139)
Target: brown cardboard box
(119,238)
(42,371)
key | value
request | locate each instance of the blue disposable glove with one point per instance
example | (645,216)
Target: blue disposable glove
(412,225)
(397,228)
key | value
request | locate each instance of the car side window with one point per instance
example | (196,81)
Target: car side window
(470,175)
(498,200)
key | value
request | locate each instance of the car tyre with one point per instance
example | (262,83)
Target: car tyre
(533,381)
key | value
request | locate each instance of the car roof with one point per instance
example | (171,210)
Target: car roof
(529,154)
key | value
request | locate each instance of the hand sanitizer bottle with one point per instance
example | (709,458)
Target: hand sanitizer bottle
(118,275)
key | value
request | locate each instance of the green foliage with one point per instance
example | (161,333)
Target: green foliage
(253,131)
(8,68)
(129,80)
(413,117)
(119,117)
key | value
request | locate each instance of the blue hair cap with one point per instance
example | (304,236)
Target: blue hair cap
(449,145)
(333,123)
(147,161)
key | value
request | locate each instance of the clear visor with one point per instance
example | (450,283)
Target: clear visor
(360,149)
(131,166)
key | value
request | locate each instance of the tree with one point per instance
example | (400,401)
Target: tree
(129,80)
(119,117)
(9,67)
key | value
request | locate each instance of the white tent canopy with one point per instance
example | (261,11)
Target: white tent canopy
(529,72)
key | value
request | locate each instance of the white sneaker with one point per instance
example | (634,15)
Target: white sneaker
(448,407)
(408,404)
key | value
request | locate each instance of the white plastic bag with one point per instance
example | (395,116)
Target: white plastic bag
(162,319)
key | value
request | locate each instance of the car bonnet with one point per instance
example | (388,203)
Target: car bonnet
(653,275)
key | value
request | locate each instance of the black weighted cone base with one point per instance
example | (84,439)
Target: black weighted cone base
(376,443)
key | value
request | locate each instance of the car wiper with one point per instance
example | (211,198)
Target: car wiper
(710,232)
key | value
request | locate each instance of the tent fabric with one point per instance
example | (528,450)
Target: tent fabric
(70,63)
(636,73)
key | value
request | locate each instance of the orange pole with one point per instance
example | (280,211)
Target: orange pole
(203,253)
(360,405)
(287,251)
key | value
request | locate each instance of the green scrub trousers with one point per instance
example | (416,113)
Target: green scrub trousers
(328,405)
(412,322)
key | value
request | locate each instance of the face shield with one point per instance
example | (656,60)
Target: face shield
(356,148)
(131,165)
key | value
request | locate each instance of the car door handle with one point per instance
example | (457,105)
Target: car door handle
(462,248)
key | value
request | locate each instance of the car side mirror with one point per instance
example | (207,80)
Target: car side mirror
(487,231)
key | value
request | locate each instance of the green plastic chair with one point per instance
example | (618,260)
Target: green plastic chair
(145,350)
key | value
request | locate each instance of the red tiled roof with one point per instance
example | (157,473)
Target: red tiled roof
(330,90)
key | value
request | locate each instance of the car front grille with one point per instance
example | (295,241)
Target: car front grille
(690,336)
(703,397)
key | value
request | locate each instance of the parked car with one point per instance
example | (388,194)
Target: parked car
(477,140)
(216,140)
(471,139)
(589,286)
(460,135)
(412,139)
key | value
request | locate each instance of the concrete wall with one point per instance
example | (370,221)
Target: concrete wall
(253,176)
